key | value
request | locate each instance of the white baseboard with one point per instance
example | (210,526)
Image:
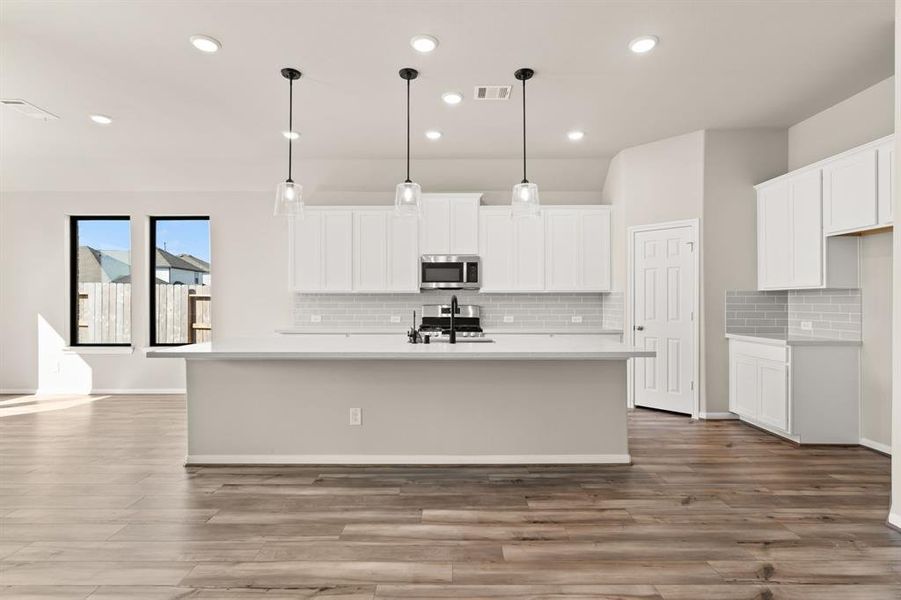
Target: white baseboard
(407,459)
(878,446)
(718,416)
(894,519)
(110,391)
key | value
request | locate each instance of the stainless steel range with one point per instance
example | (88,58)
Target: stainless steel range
(436,323)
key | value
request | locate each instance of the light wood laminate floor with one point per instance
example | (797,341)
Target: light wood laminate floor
(94,503)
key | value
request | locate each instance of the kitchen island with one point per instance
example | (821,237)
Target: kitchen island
(523,399)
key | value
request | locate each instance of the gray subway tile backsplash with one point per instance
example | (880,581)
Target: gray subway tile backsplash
(831,313)
(361,312)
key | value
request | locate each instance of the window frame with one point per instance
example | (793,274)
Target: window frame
(151,268)
(73,280)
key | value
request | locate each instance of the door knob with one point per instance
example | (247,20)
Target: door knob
(639,328)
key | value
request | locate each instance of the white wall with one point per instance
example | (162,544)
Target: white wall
(250,295)
(734,161)
(895,512)
(249,250)
(861,118)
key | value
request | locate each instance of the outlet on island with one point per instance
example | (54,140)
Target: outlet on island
(356,416)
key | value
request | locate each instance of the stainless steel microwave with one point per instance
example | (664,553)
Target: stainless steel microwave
(448,272)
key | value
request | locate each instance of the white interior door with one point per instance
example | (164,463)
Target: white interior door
(663,318)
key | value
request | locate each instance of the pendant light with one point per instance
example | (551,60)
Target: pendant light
(525,201)
(408,194)
(289,195)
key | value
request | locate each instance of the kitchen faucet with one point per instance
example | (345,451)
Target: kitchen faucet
(452,339)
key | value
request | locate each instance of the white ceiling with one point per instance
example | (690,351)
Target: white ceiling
(720,64)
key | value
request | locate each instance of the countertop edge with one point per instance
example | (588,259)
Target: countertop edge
(791,342)
(518,356)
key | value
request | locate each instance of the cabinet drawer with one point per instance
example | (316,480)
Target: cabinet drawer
(760,351)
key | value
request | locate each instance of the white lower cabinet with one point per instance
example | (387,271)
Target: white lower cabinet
(807,393)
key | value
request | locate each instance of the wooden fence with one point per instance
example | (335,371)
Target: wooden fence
(104,313)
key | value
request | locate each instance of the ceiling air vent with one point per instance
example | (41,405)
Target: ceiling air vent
(26,108)
(492,92)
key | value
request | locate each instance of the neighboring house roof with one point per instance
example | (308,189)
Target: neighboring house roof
(198,262)
(127,279)
(88,264)
(93,264)
(167,259)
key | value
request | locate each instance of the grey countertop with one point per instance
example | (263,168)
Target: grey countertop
(794,340)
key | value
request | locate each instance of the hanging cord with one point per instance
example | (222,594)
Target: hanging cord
(408,132)
(290,124)
(524,180)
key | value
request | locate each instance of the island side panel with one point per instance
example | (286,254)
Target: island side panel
(295,411)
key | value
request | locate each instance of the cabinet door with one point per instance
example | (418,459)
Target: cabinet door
(806,230)
(743,385)
(306,252)
(596,262)
(435,227)
(772,385)
(370,243)
(529,254)
(774,237)
(337,244)
(403,254)
(464,226)
(885,182)
(563,241)
(849,192)
(496,242)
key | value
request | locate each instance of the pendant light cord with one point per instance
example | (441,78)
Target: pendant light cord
(408,132)
(524,179)
(290,123)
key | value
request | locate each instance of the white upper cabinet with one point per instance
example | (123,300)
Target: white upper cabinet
(789,233)
(885,181)
(512,251)
(355,250)
(450,224)
(577,245)
(564,249)
(849,192)
(321,256)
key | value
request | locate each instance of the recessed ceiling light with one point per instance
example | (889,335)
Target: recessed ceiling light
(575,136)
(452,97)
(644,43)
(433,134)
(424,43)
(291,135)
(101,119)
(205,43)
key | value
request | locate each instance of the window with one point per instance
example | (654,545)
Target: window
(179,280)
(100,279)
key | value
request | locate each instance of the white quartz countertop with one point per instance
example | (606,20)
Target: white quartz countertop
(778,340)
(381,347)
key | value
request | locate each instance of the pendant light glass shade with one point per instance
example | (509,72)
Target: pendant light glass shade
(407,199)
(525,201)
(289,199)
(289,195)
(408,195)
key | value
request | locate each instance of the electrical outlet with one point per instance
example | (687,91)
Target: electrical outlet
(395,318)
(508,318)
(577,318)
(356,416)
(315,318)
(806,325)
